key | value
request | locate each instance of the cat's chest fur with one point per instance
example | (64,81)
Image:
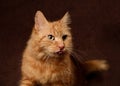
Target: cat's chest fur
(52,72)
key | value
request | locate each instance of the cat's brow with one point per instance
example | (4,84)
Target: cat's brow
(57,31)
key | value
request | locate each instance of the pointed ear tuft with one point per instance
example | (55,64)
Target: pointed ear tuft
(66,18)
(40,20)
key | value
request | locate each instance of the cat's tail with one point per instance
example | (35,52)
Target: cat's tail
(94,68)
(91,68)
(96,65)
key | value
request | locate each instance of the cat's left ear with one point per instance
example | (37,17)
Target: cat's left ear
(66,19)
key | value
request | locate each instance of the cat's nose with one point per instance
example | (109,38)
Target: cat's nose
(61,47)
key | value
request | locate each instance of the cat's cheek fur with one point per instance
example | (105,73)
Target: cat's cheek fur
(69,45)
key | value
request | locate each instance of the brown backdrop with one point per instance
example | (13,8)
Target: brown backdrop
(95,27)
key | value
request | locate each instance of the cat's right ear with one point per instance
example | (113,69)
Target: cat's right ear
(66,19)
(40,21)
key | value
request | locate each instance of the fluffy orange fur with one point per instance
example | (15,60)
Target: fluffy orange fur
(46,59)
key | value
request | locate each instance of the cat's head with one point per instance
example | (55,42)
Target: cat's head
(53,38)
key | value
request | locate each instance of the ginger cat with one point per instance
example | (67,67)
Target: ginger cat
(46,59)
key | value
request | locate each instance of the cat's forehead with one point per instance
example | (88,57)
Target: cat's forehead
(56,25)
(58,29)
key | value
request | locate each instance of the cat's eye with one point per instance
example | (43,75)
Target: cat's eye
(51,37)
(64,37)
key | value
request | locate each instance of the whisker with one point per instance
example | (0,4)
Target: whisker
(47,59)
(44,58)
(76,54)
(79,57)
(83,53)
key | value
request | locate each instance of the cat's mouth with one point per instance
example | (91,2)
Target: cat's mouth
(60,52)
(56,53)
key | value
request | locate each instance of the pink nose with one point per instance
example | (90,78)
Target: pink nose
(61,47)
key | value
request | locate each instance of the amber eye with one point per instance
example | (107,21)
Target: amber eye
(51,37)
(64,37)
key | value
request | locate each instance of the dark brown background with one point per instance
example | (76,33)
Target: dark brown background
(95,27)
